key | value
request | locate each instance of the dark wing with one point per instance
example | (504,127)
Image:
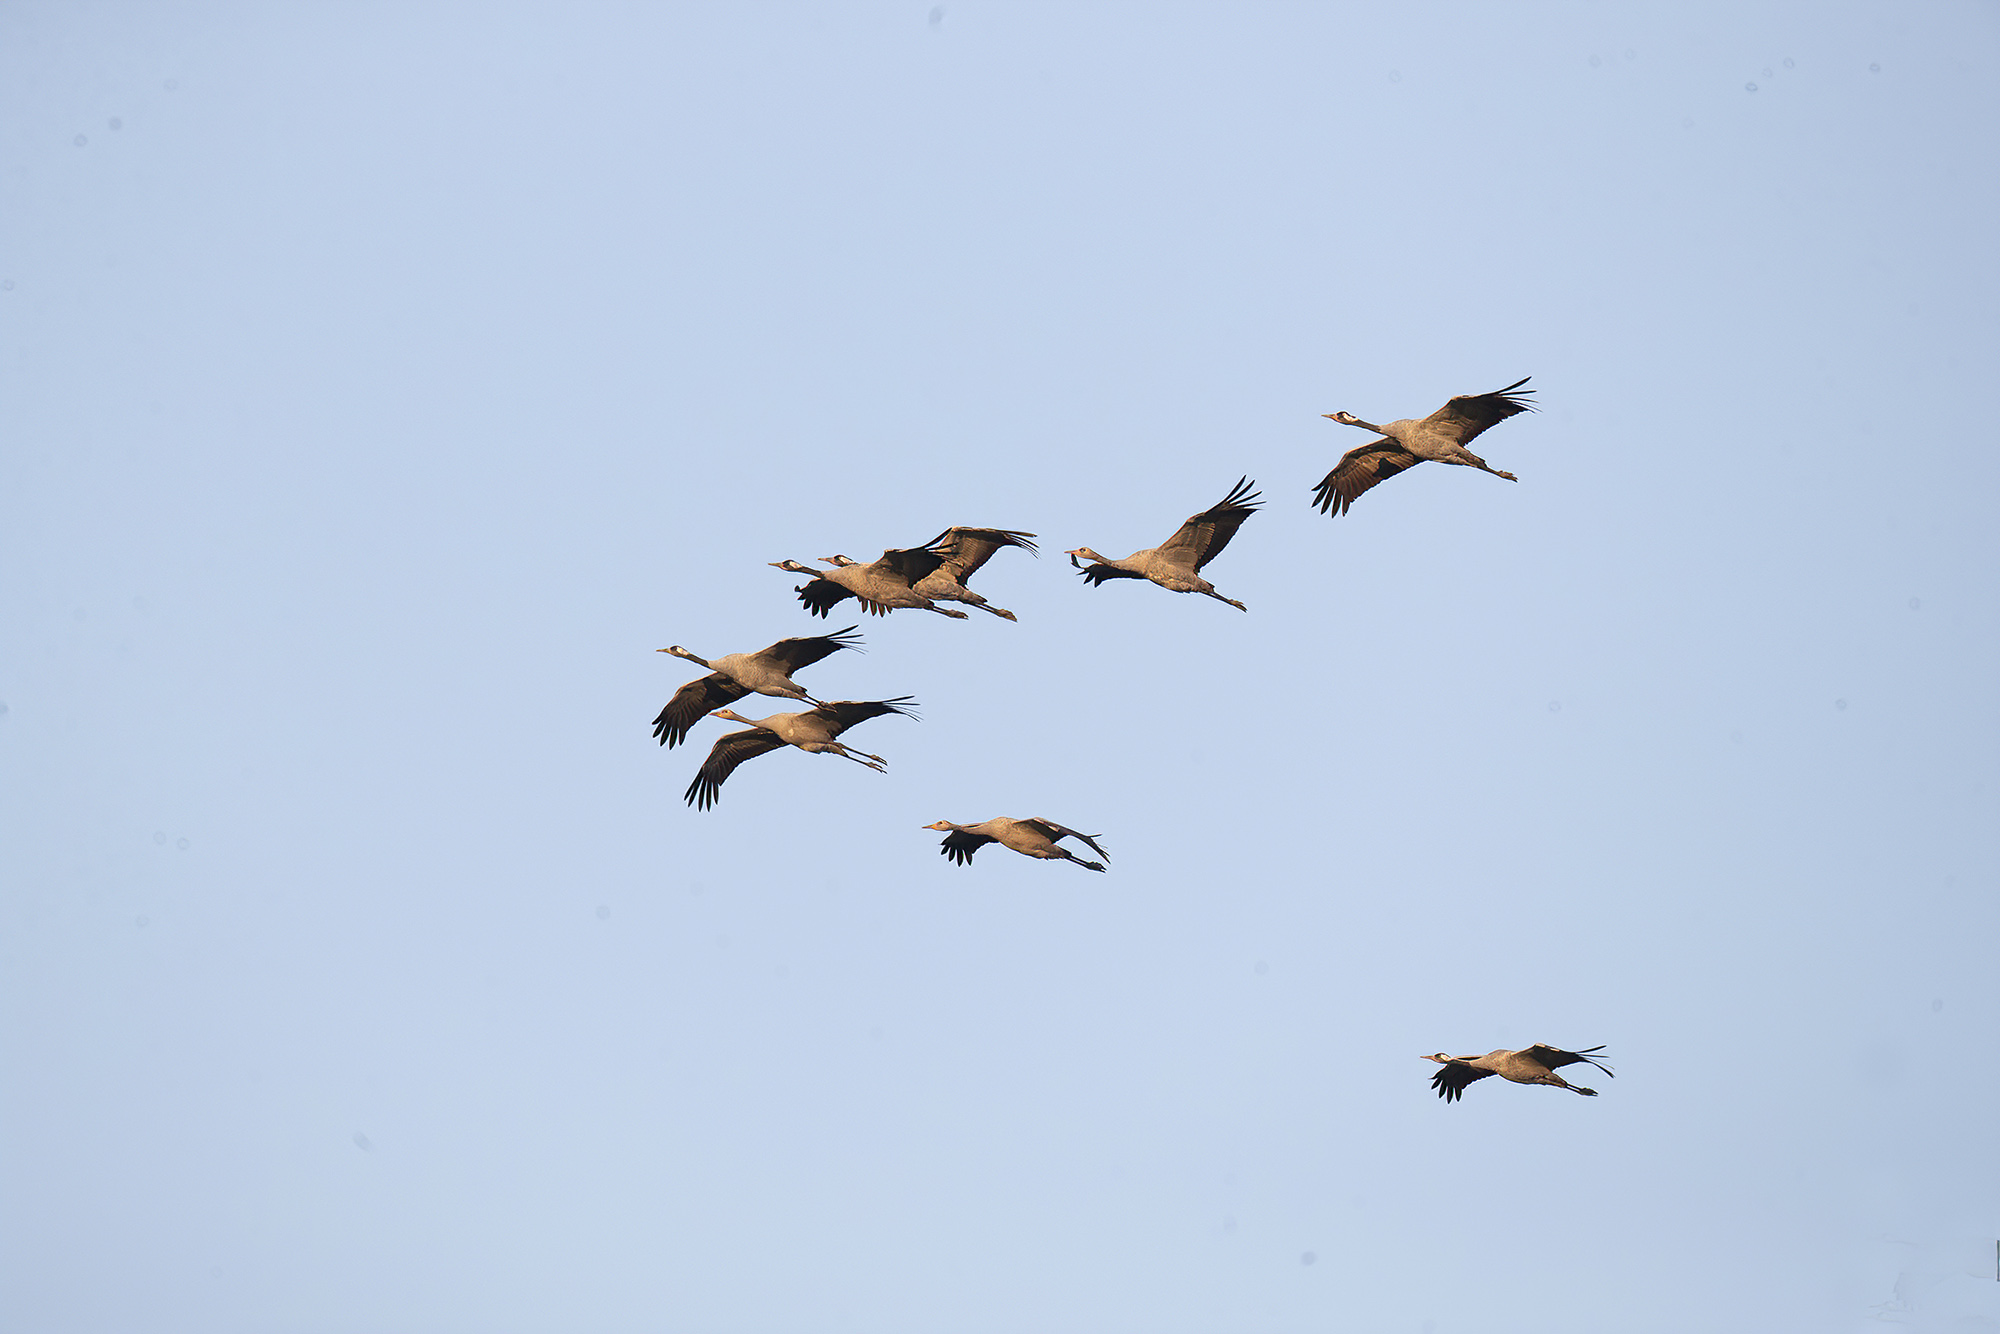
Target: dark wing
(1360,468)
(912,564)
(845,713)
(1555,1058)
(960,844)
(1468,414)
(690,703)
(1098,572)
(793,654)
(1053,831)
(729,752)
(1450,1080)
(966,549)
(1202,538)
(822,595)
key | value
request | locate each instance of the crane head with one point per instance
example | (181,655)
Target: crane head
(1344,418)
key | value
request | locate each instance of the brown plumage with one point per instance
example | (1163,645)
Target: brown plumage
(813,732)
(1176,563)
(1034,837)
(1531,1065)
(940,567)
(879,585)
(1441,437)
(768,671)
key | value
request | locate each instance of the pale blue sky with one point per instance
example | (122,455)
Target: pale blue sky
(385,383)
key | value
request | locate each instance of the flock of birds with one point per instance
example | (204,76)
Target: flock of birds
(922,577)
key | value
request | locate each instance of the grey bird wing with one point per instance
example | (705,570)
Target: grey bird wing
(1450,1080)
(845,713)
(1555,1058)
(1202,538)
(1053,831)
(1360,468)
(691,703)
(1466,415)
(806,650)
(729,752)
(914,564)
(966,549)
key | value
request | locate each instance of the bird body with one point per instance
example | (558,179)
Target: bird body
(815,732)
(877,584)
(1034,837)
(734,675)
(1440,438)
(1530,1065)
(940,567)
(1176,564)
